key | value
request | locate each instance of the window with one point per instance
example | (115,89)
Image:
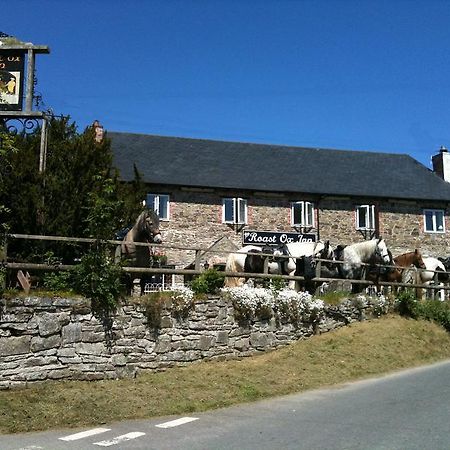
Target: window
(302,214)
(234,210)
(160,203)
(365,217)
(434,220)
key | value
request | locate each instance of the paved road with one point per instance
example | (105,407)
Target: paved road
(409,410)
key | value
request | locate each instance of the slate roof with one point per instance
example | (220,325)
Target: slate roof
(274,168)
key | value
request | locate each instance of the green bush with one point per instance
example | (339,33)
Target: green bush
(209,282)
(435,310)
(58,281)
(153,305)
(98,279)
(407,304)
(432,310)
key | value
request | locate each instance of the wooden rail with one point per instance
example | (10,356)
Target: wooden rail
(198,251)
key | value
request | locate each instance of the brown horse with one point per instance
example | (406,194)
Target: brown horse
(396,273)
(403,262)
(145,230)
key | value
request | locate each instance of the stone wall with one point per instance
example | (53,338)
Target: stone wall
(44,339)
(196,221)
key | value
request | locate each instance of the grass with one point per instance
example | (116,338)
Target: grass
(354,352)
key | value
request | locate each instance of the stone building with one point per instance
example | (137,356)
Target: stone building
(209,194)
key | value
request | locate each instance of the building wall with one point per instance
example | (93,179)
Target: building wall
(196,221)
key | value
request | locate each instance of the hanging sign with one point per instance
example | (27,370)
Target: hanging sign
(250,237)
(11,79)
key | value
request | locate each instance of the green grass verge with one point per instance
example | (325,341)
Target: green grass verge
(354,352)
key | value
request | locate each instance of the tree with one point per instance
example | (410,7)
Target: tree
(132,194)
(59,201)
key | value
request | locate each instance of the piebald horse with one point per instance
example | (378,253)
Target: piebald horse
(294,259)
(435,273)
(303,262)
(249,259)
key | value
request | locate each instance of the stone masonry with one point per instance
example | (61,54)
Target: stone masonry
(45,339)
(196,221)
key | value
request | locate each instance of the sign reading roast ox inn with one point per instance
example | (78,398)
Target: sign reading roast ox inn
(250,237)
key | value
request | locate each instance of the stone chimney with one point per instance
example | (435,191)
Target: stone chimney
(441,164)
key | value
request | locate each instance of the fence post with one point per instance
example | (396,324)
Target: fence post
(197,259)
(318,268)
(266,264)
(4,249)
(3,260)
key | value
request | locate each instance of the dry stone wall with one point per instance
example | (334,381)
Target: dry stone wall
(43,339)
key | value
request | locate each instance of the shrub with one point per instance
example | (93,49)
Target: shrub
(433,310)
(209,282)
(285,305)
(407,304)
(58,281)
(153,304)
(98,278)
(249,302)
(182,300)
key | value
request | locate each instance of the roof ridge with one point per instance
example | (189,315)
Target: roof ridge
(286,146)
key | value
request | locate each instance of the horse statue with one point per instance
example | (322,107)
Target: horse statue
(145,230)
(355,256)
(250,259)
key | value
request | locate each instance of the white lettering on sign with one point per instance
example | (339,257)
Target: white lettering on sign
(258,239)
(265,238)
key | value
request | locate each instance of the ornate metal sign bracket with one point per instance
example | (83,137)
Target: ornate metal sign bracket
(14,118)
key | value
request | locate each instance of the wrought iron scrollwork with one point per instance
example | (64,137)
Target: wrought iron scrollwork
(16,125)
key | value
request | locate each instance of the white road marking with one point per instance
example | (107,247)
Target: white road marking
(84,434)
(177,422)
(32,447)
(119,439)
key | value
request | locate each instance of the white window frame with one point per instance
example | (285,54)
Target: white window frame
(436,216)
(234,210)
(157,203)
(369,222)
(307,210)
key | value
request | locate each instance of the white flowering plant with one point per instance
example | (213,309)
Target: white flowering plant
(250,302)
(182,300)
(286,304)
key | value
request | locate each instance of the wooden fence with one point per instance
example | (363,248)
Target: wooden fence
(197,270)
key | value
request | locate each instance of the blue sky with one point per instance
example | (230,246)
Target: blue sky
(344,74)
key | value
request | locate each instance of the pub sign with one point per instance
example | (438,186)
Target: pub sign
(11,79)
(250,237)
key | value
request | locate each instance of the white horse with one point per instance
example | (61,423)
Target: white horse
(354,257)
(248,259)
(435,273)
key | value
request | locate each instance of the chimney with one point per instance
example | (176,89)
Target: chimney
(441,164)
(99,132)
